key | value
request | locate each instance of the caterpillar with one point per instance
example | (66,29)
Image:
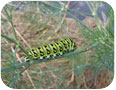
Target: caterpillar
(57,48)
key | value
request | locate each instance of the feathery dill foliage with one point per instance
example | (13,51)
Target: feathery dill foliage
(104,35)
(27,25)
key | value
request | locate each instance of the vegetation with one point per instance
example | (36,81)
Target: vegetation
(26,25)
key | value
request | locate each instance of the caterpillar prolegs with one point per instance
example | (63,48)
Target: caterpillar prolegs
(57,48)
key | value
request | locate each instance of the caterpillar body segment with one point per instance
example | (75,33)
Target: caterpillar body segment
(51,50)
(66,45)
(48,50)
(61,47)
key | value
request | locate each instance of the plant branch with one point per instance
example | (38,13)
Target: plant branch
(45,60)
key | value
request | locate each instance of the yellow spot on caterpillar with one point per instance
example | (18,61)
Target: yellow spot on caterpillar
(35,55)
(42,54)
(54,50)
(34,51)
(54,46)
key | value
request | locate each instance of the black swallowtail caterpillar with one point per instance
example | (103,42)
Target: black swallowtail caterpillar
(54,49)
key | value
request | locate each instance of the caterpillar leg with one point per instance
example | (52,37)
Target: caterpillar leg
(26,59)
(61,53)
(54,55)
(48,56)
(41,57)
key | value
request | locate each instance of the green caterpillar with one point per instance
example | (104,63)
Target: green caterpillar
(57,48)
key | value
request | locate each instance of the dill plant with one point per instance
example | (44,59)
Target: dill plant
(77,69)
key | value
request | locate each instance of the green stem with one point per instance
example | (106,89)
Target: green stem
(14,43)
(44,60)
(14,31)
